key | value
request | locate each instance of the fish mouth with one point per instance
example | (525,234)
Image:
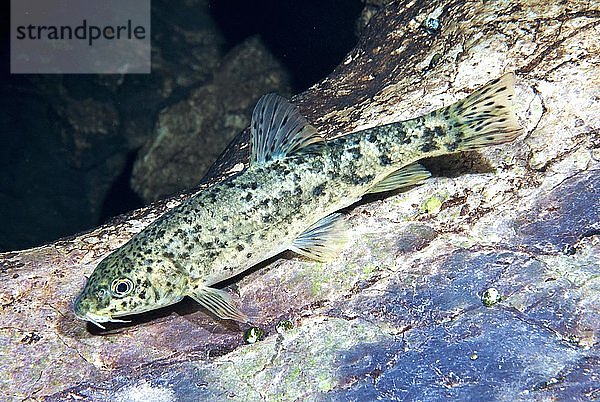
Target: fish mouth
(98,319)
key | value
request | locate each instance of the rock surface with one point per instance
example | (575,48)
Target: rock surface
(190,135)
(483,283)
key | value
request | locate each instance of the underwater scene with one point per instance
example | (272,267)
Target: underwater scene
(283,200)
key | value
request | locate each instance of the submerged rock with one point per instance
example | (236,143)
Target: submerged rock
(190,134)
(399,315)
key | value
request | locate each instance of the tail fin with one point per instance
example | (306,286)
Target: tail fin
(485,117)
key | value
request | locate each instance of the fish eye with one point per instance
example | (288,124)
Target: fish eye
(121,287)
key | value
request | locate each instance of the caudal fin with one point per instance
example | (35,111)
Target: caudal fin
(485,117)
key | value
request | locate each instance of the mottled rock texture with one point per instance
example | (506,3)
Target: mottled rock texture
(399,316)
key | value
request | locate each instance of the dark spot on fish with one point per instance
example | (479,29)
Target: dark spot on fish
(225,218)
(240,247)
(453,146)
(248,255)
(385,160)
(253,185)
(142,294)
(372,137)
(149,270)
(364,179)
(428,143)
(438,131)
(318,190)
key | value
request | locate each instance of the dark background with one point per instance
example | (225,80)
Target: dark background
(309,37)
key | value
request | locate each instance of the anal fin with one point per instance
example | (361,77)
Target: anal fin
(406,176)
(217,302)
(324,240)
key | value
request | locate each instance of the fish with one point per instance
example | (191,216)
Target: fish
(288,198)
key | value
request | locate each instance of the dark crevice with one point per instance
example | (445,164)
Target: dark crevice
(309,37)
(121,198)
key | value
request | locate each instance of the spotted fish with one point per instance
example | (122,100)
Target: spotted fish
(287,199)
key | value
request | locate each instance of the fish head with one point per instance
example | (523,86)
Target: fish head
(119,287)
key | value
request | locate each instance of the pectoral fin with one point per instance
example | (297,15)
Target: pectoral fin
(324,240)
(404,177)
(217,302)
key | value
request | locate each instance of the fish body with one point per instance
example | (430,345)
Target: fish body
(285,200)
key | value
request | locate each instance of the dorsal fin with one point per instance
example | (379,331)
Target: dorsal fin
(278,129)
